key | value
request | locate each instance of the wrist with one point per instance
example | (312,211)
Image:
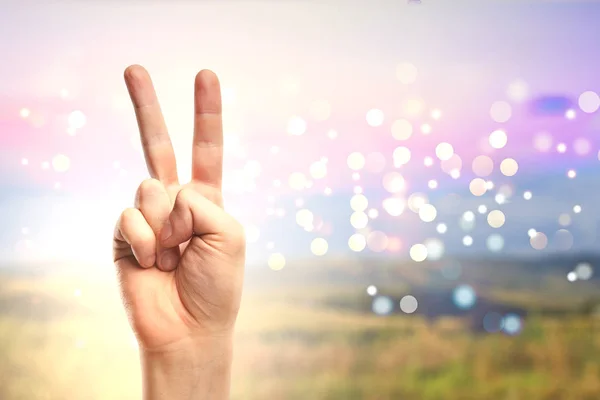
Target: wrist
(194,368)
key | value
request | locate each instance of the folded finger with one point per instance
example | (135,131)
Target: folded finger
(193,214)
(153,200)
(133,229)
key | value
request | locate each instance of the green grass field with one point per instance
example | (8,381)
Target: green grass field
(62,339)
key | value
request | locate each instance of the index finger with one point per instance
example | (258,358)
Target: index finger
(158,150)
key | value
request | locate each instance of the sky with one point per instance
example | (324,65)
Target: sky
(334,113)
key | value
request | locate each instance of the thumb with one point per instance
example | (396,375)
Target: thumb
(192,215)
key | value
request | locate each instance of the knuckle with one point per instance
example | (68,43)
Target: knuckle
(144,237)
(186,196)
(128,215)
(131,222)
(149,184)
(148,187)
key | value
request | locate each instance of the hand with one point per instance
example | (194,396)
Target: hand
(179,256)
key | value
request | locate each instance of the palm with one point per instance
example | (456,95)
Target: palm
(200,293)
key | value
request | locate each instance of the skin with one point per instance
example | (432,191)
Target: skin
(179,256)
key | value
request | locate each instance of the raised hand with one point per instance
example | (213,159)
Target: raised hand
(180,257)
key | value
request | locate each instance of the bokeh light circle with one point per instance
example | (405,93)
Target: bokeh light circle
(61,163)
(375,117)
(359,219)
(393,182)
(495,243)
(444,151)
(359,202)
(394,206)
(357,242)
(509,167)
(377,241)
(496,218)
(427,213)
(538,241)
(512,324)
(296,126)
(408,304)
(584,271)
(477,187)
(500,111)
(464,297)
(498,139)
(435,249)
(356,161)
(276,261)
(382,305)
(319,246)
(402,129)
(418,252)
(482,166)
(589,102)
(493,322)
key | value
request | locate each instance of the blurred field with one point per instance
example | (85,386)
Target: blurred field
(69,339)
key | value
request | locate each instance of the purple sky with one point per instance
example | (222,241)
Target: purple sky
(277,61)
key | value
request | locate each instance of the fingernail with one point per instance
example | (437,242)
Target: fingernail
(169,259)
(166,231)
(150,260)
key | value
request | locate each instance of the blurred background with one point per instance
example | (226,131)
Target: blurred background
(418,183)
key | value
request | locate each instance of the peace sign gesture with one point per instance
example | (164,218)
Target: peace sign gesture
(180,256)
